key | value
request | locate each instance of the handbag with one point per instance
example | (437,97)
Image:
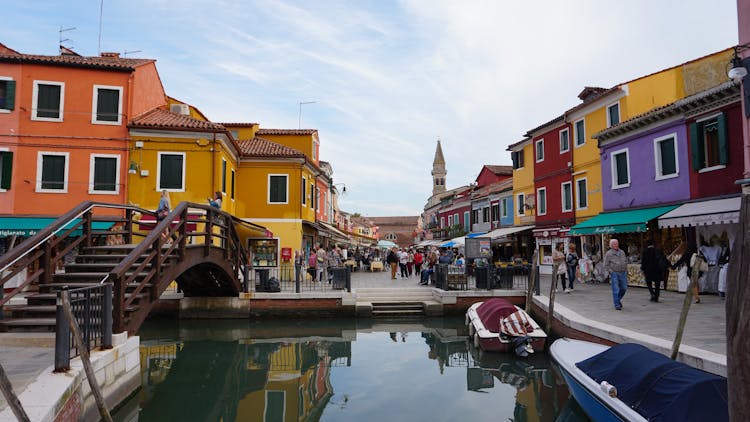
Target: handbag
(163,213)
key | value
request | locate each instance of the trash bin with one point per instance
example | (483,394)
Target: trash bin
(340,275)
(505,281)
(481,274)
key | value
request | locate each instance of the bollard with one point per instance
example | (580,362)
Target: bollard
(107,317)
(348,280)
(62,335)
(297,275)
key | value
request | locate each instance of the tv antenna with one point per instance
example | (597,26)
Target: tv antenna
(125,53)
(60,35)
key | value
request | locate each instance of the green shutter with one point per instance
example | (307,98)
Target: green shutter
(7,169)
(232,187)
(223,176)
(107,105)
(514,157)
(10,96)
(105,174)
(48,101)
(696,149)
(721,119)
(171,172)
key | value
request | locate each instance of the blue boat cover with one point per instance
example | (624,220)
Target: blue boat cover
(657,387)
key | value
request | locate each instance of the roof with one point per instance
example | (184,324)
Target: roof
(590,92)
(594,97)
(111,62)
(558,119)
(259,147)
(500,170)
(262,132)
(160,118)
(395,221)
(498,186)
(518,144)
(724,93)
(439,159)
(238,124)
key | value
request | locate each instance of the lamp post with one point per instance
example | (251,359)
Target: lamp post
(299,123)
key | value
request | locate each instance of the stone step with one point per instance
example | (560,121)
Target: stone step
(28,324)
(396,305)
(393,312)
(54,287)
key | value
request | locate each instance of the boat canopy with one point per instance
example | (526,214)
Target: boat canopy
(492,311)
(657,387)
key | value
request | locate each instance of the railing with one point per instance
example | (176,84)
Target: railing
(297,278)
(454,277)
(92,309)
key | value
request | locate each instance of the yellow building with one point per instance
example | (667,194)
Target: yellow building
(522,154)
(602,108)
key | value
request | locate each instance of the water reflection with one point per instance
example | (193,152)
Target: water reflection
(284,371)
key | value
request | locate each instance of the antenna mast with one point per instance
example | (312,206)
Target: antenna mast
(101,10)
(60,36)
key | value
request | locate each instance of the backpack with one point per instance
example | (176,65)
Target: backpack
(312,261)
(572,260)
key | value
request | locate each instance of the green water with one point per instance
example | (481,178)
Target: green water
(337,370)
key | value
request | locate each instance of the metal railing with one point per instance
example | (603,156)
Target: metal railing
(296,278)
(92,308)
(454,277)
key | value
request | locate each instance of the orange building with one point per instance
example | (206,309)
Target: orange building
(63,128)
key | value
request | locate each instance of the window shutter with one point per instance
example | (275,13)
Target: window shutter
(10,96)
(696,149)
(514,157)
(7,158)
(721,119)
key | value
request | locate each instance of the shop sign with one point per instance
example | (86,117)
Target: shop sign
(286,254)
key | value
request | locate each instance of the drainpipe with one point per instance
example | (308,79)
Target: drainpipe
(213,166)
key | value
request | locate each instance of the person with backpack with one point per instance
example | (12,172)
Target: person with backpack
(571,260)
(312,264)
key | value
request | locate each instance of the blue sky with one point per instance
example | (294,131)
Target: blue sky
(387,77)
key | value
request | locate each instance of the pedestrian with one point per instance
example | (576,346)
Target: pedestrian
(444,258)
(392,260)
(687,260)
(403,259)
(162,211)
(653,265)
(616,264)
(334,261)
(558,259)
(571,263)
(312,264)
(418,259)
(322,258)
(216,200)
(410,263)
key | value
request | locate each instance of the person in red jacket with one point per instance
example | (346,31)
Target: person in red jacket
(418,260)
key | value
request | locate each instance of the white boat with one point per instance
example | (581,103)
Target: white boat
(498,325)
(629,382)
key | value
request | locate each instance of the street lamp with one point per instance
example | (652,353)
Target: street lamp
(343,189)
(299,123)
(738,70)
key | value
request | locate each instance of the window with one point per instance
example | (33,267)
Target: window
(6,169)
(620,169)
(467,221)
(475,216)
(505,208)
(455,219)
(708,143)
(564,140)
(517,157)
(171,171)
(450,220)
(486,215)
(541,200)
(442,222)
(232,185)
(107,105)
(390,236)
(495,212)
(539,146)
(52,172)
(312,195)
(275,409)
(223,175)
(579,130)
(235,134)
(566,193)
(582,194)
(315,147)
(277,188)
(104,174)
(47,101)
(7,94)
(665,156)
(304,191)
(521,204)
(613,114)
(317,199)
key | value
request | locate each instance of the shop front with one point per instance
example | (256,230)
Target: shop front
(547,240)
(512,244)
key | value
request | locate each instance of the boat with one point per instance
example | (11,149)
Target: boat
(630,382)
(499,326)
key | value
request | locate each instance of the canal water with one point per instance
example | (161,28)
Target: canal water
(420,369)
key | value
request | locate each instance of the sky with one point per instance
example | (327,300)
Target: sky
(387,78)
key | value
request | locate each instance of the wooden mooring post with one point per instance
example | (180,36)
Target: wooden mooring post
(686,306)
(10,397)
(551,304)
(532,281)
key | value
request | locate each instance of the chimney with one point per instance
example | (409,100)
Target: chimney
(110,54)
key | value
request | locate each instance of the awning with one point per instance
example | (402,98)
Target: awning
(630,221)
(473,235)
(456,242)
(332,232)
(501,234)
(717,211)
(29,226)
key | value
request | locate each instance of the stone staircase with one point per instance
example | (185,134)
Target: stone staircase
(389,302)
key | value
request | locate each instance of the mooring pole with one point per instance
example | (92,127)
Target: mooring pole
(532,280)
(686,306)
(551,304)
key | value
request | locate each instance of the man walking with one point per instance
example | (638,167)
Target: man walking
(392,260)
(616,264)
(322,257)
(652,264)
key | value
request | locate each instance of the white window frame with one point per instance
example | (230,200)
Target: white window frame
(268,189)
(562,196)
(233,188)
(315,150)
(707,169)
(467,220)
(585,181)
(658,171)
(223,177)
(537,149)
(158,170)
(94,105)
(539,201)
(304,191)
(575,133)
(39,161)
(450,220)
(6,110)
(619,115)
(522,158)
(521,199)
(442,222)
(456,221)
(35,97)
(503,208)
(613,167)
(559,135)
(92,161)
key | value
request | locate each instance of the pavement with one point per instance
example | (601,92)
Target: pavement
(23,364)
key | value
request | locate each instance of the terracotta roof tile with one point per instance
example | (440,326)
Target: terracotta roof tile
(238,124)
(165,119)
(286,131)
(8,55)
(395,221)
(259,147)
(500,170)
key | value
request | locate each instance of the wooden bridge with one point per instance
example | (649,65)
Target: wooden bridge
(197,246)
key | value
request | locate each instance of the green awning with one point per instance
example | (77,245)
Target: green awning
(631,221)
(29,226)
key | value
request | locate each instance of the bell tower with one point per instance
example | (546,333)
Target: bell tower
(438,171)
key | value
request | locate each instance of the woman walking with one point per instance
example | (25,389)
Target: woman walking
(418,259)
(392,260)
(410,263)
(571,261)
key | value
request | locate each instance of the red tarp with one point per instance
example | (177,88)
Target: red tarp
(492,311)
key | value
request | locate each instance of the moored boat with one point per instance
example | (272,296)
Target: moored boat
(498,325)
(629,382)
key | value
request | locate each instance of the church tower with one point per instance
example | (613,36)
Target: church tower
(438,171)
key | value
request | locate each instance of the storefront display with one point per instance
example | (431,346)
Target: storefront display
(265,252)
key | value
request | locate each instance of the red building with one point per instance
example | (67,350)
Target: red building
(553,159)
(491,174)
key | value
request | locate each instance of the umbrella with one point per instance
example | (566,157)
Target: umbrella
(386,244)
